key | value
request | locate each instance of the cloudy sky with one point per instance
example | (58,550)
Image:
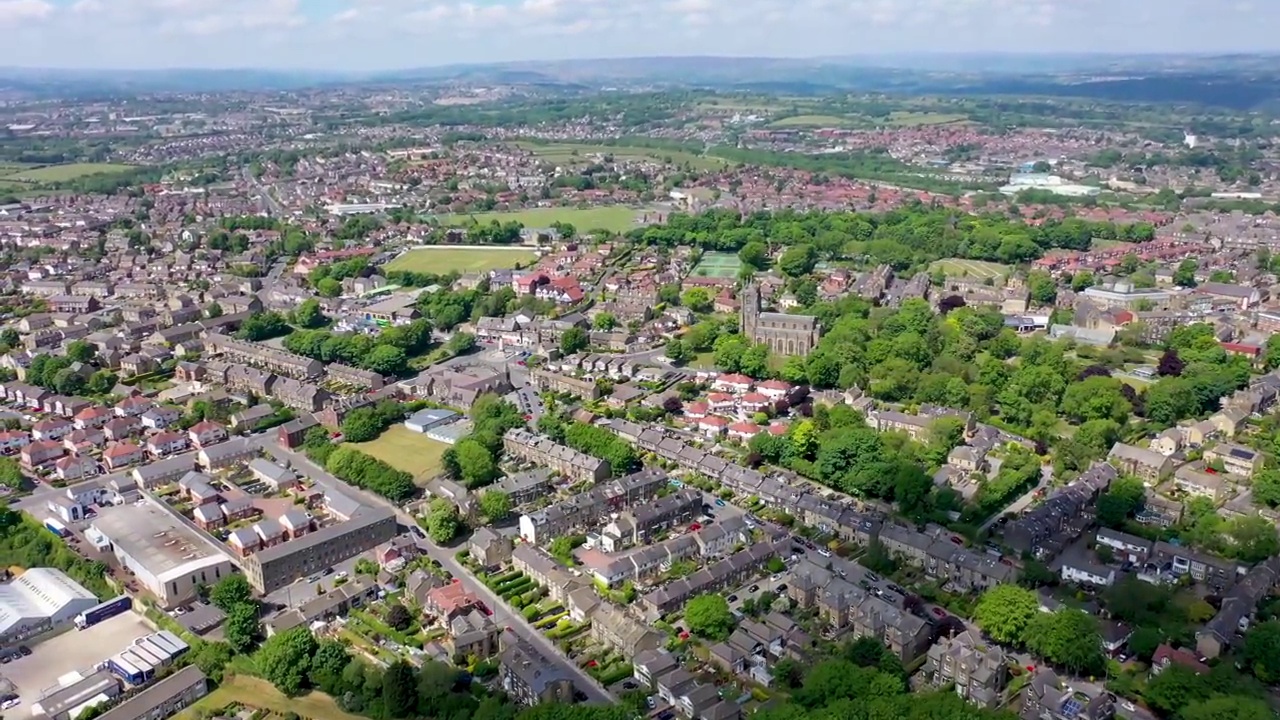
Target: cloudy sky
(382,34)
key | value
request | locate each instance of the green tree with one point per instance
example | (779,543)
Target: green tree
(328,663)
(386,360)
(285,659)
(80,351)
(309,315)
(1253,538)
(1123,499)
(399,617)
(1229,707)
(754,255)
(604,321)
(443,524)
(10,473)
(1185,275)
(213,311)
(68,382)
(102,382)
(709,616)
(495,504)
(476,463)
(1266,487)
(574,340)
(696,299)
(1260,654)
(1067,637)
(798,260)
(1043,288)
(678,351)
(399,690)
(1004,612)
(231,591)
(211,657)
(241,627)
(329,288)
(1096,398)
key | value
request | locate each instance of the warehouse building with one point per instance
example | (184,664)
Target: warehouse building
(277,566)
(138,663)
(168,557)
(40,600)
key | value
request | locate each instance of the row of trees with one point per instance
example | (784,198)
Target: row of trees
(592,440)
(908,237)
(1069,638)
(386,354)
(359,469)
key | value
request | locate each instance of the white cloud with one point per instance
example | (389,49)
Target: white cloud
(16,11)
(360,34)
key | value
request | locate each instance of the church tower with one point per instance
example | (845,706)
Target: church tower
(750,312)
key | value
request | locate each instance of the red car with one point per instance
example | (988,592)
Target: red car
(938,612)
(695,527)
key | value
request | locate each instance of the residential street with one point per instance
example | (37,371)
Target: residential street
(502,614)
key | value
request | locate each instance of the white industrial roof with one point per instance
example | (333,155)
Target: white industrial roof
(36,594)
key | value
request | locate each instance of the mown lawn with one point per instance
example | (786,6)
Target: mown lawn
(404,449)
(441,260)
(614,218)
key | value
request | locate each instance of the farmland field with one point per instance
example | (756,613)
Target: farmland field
(911,119)
(955,267)
(576,153)
(262,695)
(63,173)
(799,121)
(614,218)
(404,449)
(440,259)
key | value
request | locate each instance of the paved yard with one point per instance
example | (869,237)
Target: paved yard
(73,650)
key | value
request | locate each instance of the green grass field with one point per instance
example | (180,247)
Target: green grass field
(581,153)
(915,119)
(614,218)
(955,267)
(260,694)
(63,173)
(404,449)
(812,121)
(442,259)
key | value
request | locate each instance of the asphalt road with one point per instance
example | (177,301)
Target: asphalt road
(502,614)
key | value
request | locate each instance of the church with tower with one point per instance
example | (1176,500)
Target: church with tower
(784,334)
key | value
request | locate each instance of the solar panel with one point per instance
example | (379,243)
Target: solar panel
(1072,707)
(1241,453)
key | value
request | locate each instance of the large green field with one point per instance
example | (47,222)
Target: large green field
(981,269)
(613,218)
(63,173)
(581,153)
(404,449)
(442,259)
(259,694)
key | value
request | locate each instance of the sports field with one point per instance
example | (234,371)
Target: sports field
(440,259)
(904,118)
(261,695)
(63,173)
(955,267)
(717,264)
(404,449)
(613,218)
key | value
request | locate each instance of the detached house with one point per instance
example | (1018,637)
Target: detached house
(206,433)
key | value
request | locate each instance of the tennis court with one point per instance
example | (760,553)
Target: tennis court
(717,264)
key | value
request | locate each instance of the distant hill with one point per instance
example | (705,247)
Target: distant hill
(1241,82)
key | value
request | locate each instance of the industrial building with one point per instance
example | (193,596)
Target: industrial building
(39,600)
(138,663)
(77,694)
(168,557)
(275,567)
(164,699)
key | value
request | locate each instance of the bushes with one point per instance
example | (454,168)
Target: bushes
(370,473)
(531,612)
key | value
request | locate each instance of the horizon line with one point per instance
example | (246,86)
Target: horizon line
(1198,54)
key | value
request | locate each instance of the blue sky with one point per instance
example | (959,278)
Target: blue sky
(382,34)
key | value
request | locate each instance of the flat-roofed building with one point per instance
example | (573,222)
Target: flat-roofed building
(39,600)
(168,557)
(72,698)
